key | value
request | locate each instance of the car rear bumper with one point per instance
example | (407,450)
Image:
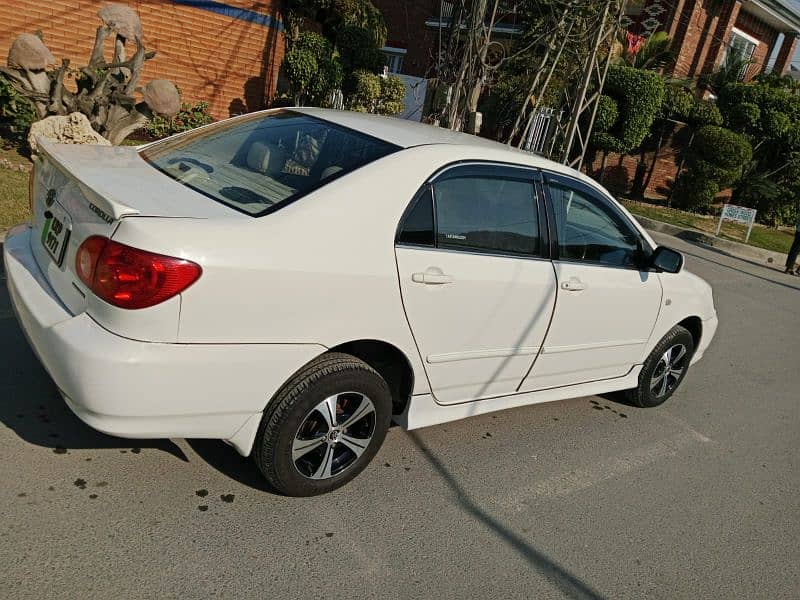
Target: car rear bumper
(141,389)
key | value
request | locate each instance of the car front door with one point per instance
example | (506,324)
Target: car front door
(607,303)
(477,286)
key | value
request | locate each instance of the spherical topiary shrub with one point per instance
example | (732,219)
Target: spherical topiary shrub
(638,94)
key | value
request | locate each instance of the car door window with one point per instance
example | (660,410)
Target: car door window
(417,228)
(590,230)
(484,213)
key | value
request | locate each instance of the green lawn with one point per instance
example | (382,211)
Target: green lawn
(13,191)
(777,240)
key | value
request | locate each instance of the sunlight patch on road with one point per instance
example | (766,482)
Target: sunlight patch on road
(566,483)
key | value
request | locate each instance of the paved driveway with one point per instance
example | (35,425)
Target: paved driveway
(585,498)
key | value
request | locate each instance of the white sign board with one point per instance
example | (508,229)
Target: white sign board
(740,214)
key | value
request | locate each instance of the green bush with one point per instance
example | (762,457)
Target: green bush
(16,114)
(366,89)
(639,95)
(607,114)
(189,117)
(694,192)
(358,50)
(375,94)
(715,161)
(704,113)
(300,66)
(743,117)
(392,96)
(677,104)
(312,68)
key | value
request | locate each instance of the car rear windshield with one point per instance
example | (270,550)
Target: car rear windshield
(259,163)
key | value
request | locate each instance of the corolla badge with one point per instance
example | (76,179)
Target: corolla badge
(50,198)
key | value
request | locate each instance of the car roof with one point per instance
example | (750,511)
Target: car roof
(399,132)
(408,134)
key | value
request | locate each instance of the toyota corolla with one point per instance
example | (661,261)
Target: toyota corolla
(291,281)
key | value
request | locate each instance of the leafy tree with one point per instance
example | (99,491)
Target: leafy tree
(352,32)
(767,113)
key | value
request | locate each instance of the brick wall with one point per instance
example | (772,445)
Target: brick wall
(701,31)
(405,22)
(620,171)
(786,53)
(226,53)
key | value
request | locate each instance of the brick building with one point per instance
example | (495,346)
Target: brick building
(416,28)
(704,33)
(226,53)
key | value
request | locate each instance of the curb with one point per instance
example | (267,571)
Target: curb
(743,251)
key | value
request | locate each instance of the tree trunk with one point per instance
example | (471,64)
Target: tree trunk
(679,171)
(603,163)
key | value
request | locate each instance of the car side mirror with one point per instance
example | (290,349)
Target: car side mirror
(667,260)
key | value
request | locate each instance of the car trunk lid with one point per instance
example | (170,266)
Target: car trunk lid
(80,191)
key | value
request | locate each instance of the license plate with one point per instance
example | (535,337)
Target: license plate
(55,233)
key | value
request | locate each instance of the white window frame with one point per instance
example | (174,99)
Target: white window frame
(394,58)
(754,42)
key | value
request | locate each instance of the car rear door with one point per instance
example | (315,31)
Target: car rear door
(477,285)
(607,303)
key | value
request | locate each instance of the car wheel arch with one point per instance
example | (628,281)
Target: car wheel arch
(694,325)
(390,362)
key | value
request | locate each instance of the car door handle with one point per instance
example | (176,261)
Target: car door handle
(431,277)
(573,285)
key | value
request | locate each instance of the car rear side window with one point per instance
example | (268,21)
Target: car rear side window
(417,229)
(259,163)
(493,214)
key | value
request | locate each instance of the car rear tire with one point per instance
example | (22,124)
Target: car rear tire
(324,426)
(664,369)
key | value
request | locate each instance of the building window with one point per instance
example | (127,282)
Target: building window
(394,58)
(740,51)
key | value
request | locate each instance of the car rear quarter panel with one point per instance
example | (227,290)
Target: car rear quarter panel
(321,270)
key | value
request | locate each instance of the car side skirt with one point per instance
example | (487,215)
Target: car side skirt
(424,411)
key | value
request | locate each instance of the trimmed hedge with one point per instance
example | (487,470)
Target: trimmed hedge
(638,94)
(714,162)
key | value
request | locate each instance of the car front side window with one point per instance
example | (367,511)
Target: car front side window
(590,230)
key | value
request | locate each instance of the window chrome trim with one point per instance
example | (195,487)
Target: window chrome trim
(495,254)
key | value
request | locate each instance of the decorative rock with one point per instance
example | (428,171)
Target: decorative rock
(123,20)
(70,129)
(29,52)
(162,97)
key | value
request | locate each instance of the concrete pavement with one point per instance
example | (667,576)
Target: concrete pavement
(585,498)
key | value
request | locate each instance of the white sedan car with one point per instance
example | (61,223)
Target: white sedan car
(290,281)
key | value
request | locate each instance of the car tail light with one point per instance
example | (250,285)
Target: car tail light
(131,278)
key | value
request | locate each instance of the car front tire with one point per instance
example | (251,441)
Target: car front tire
(664,369)
(324,426)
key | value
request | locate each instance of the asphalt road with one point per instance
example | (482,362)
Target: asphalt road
(585,498)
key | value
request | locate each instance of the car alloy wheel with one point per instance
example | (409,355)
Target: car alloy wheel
(668,370)
(333,435)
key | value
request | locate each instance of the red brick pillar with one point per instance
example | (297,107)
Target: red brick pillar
(722,35)
(786,53)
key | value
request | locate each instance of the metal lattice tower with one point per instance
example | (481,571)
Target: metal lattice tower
(583,107)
